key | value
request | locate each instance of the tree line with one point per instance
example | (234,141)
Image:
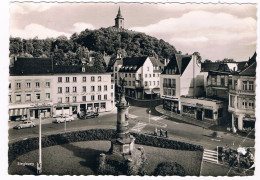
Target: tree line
(94,43)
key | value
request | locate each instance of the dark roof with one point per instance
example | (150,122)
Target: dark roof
(157,62)
(179,63)
(250,67)
(222,69)
(134,62)
(40,66)
(209,66)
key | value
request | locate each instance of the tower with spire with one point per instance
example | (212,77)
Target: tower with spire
(119,20)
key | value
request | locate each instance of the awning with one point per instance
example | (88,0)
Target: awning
(17,112)
(156,91)
(148,92)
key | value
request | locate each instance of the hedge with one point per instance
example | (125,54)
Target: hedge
(21,147)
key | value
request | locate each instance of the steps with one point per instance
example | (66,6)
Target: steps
(210,156)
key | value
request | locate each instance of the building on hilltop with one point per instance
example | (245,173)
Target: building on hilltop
(119,20)
(36,85)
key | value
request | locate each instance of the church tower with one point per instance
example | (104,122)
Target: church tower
(119,20)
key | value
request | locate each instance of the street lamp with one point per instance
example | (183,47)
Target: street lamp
(39,164)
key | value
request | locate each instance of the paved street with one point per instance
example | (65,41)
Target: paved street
(139,122)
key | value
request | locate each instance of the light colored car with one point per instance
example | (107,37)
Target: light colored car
(63,119)
(25,124)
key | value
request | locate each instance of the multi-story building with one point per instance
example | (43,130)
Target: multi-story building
(38,86)
(142,75)
(242,97)
(180,77)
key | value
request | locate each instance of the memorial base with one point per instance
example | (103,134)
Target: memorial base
(122,158)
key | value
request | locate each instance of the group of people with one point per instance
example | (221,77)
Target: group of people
(161,133)
(234,159)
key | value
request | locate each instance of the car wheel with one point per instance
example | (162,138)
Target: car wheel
(58,122)
(31,126)
(18,127)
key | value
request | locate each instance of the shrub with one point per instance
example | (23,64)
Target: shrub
(169,169)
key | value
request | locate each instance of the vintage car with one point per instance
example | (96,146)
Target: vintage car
(62,119)
(25,124)
(88,115)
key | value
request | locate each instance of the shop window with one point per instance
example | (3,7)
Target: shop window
(208,113)
(188,109)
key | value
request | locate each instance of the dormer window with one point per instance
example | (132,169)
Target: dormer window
(83,69)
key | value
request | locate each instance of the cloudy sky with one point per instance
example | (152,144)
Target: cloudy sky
(217,31)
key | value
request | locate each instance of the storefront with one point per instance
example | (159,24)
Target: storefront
(17,114)
(62,109)
(204,109)
(171,104)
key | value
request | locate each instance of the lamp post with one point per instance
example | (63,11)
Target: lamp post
(39,164)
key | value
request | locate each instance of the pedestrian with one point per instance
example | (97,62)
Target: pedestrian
(161,133)
(155,131)
(166,134)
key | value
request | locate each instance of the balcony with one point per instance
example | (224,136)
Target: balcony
(236,90)
(169,85)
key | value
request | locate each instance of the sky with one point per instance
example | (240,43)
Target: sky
(216,31)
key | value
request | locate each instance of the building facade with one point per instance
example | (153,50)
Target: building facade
(142,75)
(181,77)
(242,97)
(56,90)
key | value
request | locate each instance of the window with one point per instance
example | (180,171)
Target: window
(129,83)
(37,84)
(59,89)
(154,83)
(145,75)
(59,99)
(84,98)
(48,84)
(103,105)
(112,94)
(74,79)
(28,97)
(28,85)
(67,79)
(169,92)
(74,89)
(148,68)
(244,104)
(133,83)
(105,97)
(165,91)
(209,113)
(105,87)
(99,88)
(150,75)
(74,98)
(158,75)
(92,78)
(10,98)
(115,68)
(99,97)
(59,79)
(67,99)
(112,87)
(9,85)
(235,84)
(18,98)
(48,96)
(125,74)
(153,75)
(92,88)
(38,96)
(99,78)
(84,79)
(130,75)
(251,105)
(173,85)
(173,92)
(18,85)
(222,81)
(158,83)
(133,75)
(245,85)
(67,89)
(150,83)
(231,101)
(84,88)
(251,86)
(145,83)
(139,75)
(92,97)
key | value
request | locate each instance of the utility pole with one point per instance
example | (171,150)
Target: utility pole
(39,165)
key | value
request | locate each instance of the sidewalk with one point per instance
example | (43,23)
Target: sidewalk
(183,118)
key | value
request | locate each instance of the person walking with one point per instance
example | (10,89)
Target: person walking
(155,132)
(166,133)
(161,133)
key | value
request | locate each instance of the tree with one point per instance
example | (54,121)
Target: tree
(169,169)
(98,61)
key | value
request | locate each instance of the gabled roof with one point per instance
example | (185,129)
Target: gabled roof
(209,66)
(250,67)
(179,63)
(135,62)
(157,62)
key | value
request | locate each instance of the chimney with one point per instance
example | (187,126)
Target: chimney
(165,62)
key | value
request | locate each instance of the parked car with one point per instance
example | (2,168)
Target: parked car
(62,119)
(88,115)
(25,124)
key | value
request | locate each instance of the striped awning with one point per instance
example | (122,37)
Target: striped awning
(17,112)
